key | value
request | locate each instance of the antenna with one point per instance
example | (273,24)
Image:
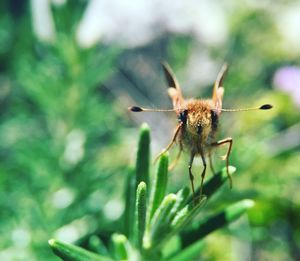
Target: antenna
(262,107)
(141,109)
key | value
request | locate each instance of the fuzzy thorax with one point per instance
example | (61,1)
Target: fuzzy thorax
(199,122)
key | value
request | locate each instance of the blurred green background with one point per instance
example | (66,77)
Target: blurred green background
(70,69)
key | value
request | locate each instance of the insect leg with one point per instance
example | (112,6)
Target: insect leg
(171,143)
(191,174)
(175,161)
(210,162)
(203,172)
(226,157)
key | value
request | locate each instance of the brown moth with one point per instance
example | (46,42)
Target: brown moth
(197,123)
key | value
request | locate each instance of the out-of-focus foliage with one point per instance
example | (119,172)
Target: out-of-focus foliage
(57,125)
(63,126)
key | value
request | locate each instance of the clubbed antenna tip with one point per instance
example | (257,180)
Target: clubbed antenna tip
(266,107)
(135,109)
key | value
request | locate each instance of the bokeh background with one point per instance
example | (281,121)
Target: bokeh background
(70,69)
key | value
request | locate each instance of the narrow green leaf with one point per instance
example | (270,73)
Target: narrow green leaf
(190,253)
(235,210)
(162,215)
(186,214)
(129,213)
(214,183)
(156,227)
(159,186)
(182,219)
(96,245)
(120,246)
(215,222)
(143,155)
(182,196)
(70,252)
(171,246)
(141,208)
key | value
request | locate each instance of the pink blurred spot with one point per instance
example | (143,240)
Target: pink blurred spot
(287,79)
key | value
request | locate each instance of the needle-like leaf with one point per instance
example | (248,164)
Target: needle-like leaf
(141,208)
(159,186)
(143,156)
(129,212)
(96,245)
(120,246)
(217,221)
(70,252)
(156,227)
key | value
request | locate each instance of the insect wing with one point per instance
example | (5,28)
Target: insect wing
(174,90)
(218,90)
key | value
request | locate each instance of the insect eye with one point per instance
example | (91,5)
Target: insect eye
(214,120)
(182,116)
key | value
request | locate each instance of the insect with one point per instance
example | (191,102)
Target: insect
(197,123)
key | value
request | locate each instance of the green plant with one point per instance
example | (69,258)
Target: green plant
(51,99)
(157,224)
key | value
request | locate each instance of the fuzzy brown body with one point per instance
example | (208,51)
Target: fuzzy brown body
(199,127)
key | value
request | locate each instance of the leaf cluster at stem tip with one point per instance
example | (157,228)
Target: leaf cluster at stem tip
(153,217)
